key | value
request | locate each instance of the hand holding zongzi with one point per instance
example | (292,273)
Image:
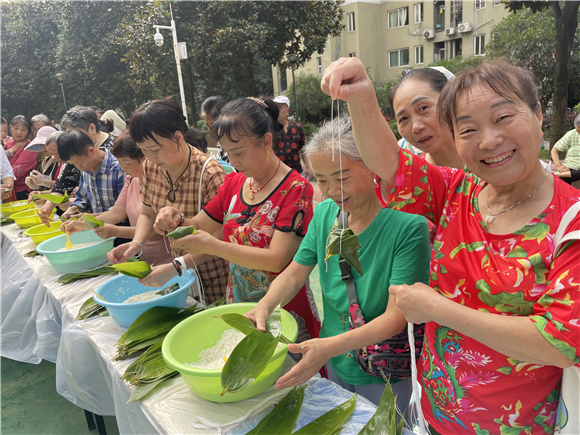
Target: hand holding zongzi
(198,243)
(168,219)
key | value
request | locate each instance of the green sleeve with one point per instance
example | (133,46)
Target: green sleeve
(307,253)
(412,249)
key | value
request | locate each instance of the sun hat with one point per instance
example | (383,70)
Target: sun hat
(119,124)
(40,139)
(281,99)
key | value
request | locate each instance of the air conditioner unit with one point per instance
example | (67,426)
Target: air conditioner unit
(464,28)
(450,31)
(429,34)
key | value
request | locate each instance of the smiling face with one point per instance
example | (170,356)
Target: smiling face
(357,181)
(498,139)
(415,105)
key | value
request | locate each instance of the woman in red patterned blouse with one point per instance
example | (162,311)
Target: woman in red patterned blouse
(502,310)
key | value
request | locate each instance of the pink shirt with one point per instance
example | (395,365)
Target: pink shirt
(130,198)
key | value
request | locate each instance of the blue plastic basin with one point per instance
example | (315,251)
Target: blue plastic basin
(120,288)
(76,260)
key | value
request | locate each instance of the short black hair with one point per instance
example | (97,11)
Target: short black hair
(197,139)
(73,143)
(213,106)
(124,146)
(247,117)
(161,117)
(81,117)
(21,119)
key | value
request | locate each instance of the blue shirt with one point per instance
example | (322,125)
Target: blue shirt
(98,192)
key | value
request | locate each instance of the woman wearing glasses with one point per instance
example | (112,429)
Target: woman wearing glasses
(178,175)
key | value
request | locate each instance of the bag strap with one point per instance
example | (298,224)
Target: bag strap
(559,237)
(201,182)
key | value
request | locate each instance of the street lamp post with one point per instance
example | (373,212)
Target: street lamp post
(158,38)
(60,78)
(292,62)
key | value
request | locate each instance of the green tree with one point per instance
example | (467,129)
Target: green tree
(529,40)
(566,23)
(313,104)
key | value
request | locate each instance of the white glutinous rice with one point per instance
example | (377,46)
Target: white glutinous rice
(78,246)
(147,296)
(212,358)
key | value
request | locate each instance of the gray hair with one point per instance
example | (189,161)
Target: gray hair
(41,117)
(339,130)
(53,137)
(577,121)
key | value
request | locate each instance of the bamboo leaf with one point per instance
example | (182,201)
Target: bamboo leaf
(89,309)
(136,269)
(180,232)
(92,221)
(71,277)
(281,420)
(55,199)
(343,242)
(244,325)
(331,421)
(169,289)
(384,420)
(143,390)
(247,361)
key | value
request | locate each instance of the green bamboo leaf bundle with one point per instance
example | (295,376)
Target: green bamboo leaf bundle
(251,356)
(135,269)
(91,308)
(92,221)
(71,277)
(281,420)
(6,220)
(243,324)
(55,199)
(169,289)
(384,420)
(180,232)
(343,242)
(331,421)
(32,253)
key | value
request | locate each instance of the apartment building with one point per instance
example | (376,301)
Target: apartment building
(392,36)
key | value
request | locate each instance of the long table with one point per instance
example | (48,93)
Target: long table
(37,322)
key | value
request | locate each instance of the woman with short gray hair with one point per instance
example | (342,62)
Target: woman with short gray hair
(85,119)
(390,242)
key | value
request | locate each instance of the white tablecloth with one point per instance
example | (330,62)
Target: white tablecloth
(38,323)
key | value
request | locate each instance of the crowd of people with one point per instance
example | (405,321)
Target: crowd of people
(451,229)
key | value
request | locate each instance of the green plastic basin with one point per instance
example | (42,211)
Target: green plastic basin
(184,343)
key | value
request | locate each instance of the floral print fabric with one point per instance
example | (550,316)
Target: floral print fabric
(287,209)
(467,386)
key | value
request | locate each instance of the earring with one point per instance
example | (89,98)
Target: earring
(268,152)
(465,168)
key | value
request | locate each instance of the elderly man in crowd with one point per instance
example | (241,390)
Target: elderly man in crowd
(569,169)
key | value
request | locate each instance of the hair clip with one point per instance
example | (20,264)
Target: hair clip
(259,101)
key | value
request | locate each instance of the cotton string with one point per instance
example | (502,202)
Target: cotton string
(202,293)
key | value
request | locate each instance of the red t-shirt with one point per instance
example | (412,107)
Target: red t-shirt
(22,163)
(467,386)
(288,209)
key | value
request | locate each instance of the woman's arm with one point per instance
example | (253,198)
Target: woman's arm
(315,353)
(143,230)
(281,250)
(282,290)
(346,79)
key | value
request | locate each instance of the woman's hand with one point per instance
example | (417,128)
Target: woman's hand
(106,231)
(347,80)
(418,302)
(30,183)
(44,213)
(72,211)
(74,226)
(562,168)
(124,251)
(315,353)
(6,190)
(159,275)
(198,243)
(259,314)
(167,220)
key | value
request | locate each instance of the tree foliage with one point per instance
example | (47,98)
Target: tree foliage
(313,104)
(528,39)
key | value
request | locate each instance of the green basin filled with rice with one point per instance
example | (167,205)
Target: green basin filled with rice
(200,333)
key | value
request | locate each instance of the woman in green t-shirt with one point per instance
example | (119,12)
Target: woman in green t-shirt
(394,250)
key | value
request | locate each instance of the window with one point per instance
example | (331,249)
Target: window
(418,54)
(479,4)
(399,58)
(456,12)
(352,54)
(439,15)
(399,17)
(319,65)
(497,2)
(350,22)
(282,79)
(418,12)
(479,45)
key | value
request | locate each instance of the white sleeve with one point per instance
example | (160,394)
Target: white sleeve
(5,166)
